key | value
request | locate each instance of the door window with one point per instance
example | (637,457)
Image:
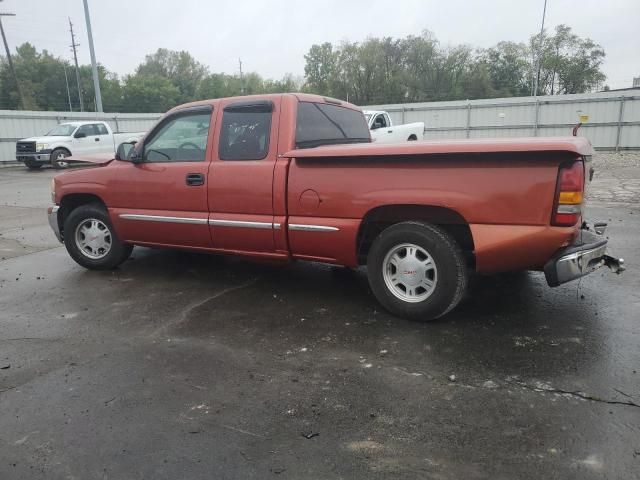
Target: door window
(380,121)
(88,130)
(245,132)
(102,130)
(180,139)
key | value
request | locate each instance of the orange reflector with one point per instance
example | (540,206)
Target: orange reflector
(570,198)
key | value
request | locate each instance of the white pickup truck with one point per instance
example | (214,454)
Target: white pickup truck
(384,131)
(71,138)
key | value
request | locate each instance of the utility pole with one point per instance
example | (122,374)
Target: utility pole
(537,80)
(75,58)
(9,61)
(66,81)
(241,80)
(94,67)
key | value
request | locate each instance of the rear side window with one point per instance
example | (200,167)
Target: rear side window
(245,131)
(102,130)
(325,124)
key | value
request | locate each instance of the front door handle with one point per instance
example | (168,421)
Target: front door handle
(97,139)
(195,179)
(389,131)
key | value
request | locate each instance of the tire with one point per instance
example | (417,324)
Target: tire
(412,138)
(104,251)
(423,285)
(33,165)
(57,158)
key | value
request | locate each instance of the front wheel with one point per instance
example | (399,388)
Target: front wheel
(91,240)
(417,270)
(33,165)
(58,158)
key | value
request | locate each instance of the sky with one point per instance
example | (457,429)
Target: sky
(272,36)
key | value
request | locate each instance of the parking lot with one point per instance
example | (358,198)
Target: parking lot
(181,365)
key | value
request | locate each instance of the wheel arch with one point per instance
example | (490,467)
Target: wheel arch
(61,147)
(71,201)
(381,217)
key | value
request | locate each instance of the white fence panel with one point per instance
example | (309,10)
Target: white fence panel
(614,117)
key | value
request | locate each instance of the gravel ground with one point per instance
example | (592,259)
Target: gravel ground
(622,159)
(616,179)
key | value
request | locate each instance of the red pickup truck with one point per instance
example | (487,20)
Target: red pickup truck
(296,177)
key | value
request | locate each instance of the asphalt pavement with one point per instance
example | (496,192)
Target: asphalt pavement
(188,366)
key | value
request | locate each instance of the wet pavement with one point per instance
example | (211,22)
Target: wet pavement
(180,365)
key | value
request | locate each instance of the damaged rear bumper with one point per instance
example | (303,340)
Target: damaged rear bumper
(585,255)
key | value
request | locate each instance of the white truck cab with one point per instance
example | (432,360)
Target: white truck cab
(384,131)
(70,138)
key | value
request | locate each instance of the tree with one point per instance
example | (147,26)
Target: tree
(149,93)
(320,68)
(509,68)
(418,69)
(568,63)
(184,71)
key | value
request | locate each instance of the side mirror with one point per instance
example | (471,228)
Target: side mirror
(80,135)
(126,152)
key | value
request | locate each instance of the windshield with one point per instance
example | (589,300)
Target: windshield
(62,130)
(322,124)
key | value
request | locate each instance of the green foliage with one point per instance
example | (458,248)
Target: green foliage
(568,63)
(149,93)
(417,68)
(375,71)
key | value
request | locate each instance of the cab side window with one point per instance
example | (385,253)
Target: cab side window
(102,130)
(245,131)
(88,130)
(380,121)
(182,138)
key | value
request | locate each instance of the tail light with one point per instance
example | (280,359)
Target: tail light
(570,190)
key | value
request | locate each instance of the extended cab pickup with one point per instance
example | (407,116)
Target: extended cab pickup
(71,138)
(296,177)
(384,131)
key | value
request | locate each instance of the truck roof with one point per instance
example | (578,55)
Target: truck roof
(578,145)
(77,124)
(303,97)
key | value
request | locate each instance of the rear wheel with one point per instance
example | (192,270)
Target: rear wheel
(58,157)
(417,270)
(91,240)
(412,138)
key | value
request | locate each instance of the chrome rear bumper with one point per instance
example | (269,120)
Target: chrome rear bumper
(587,254)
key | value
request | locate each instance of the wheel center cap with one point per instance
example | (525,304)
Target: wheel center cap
(410,273)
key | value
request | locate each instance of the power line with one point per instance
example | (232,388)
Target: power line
(75,58)
(6,48)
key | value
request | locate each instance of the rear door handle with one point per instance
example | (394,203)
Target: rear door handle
(195,179)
